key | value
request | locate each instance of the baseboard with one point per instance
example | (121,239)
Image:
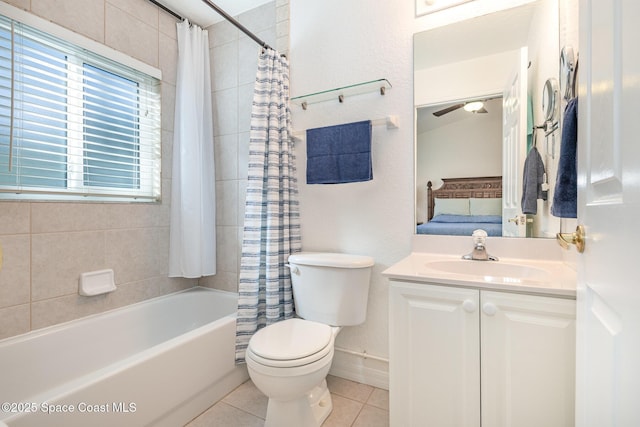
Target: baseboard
(360,369)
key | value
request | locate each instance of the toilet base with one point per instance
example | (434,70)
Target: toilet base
(309,410)
(320,401)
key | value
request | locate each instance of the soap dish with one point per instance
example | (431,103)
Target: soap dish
(96,283)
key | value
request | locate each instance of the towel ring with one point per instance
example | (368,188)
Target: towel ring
(568,68)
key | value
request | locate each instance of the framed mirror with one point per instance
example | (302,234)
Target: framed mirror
(476,60)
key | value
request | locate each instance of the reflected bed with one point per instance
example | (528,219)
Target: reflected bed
(462,205)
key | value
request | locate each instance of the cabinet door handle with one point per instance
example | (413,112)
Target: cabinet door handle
(489,308)
(469,305)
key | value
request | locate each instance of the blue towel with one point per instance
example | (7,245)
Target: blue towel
(565,197)
(339,154)
(532,180)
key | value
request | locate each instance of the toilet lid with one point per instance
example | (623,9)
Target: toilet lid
(290,339)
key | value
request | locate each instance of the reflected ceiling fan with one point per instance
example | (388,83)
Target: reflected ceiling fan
(471,106)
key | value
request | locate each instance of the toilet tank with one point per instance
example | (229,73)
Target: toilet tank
(331,288)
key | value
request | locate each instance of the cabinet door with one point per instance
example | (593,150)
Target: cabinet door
(528,360)
(434,356)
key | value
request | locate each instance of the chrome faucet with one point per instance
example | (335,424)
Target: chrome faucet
(479,252)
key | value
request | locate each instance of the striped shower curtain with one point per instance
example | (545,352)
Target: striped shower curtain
(272,218)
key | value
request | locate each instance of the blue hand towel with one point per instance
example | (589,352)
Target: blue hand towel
(565,197)
(532,180)
(339,154)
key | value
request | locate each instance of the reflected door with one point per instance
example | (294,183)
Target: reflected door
(514,141)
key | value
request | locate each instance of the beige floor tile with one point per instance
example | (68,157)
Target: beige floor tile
(379,398)
(246,406)
(249,399)
(344,412)
(371,416)
(349,389)
(223,415)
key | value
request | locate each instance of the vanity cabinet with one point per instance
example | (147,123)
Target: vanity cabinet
(463,357)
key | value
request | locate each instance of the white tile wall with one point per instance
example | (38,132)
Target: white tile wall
(86,17)
(14,275)
(132,36)
(234,59)
(47,245)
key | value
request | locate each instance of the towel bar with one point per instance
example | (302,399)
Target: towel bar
(390,121)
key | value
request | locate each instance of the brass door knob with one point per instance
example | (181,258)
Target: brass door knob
(576,238)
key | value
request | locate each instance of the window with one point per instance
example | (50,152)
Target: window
(74,124)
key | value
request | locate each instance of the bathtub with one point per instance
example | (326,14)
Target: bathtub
(160,362)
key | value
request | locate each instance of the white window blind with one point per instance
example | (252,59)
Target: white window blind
(74,124)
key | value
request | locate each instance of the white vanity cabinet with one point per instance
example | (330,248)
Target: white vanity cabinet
(463,357)
(434,354)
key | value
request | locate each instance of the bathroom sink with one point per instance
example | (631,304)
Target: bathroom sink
(527,275)
(491,271)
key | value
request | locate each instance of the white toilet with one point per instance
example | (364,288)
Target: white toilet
(289,360)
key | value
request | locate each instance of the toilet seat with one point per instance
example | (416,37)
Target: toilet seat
(291,343)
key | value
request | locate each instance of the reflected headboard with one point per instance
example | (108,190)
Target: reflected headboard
(463,188)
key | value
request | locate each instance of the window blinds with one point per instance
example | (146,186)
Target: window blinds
(74,124)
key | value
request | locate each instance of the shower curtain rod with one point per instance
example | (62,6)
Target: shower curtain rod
(225,15)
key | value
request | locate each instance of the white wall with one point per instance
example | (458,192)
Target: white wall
(477,77)
(336,43)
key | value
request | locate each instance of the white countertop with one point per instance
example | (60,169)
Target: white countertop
(543,277)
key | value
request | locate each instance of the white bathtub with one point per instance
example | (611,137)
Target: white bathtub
(160,362)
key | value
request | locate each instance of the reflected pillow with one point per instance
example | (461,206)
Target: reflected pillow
(486,219)
(451,207)
(487,206)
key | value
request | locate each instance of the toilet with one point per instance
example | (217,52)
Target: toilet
(288,361)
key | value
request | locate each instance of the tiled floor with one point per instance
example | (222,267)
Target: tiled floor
(354,405)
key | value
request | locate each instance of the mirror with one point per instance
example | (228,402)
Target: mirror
(474,60)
